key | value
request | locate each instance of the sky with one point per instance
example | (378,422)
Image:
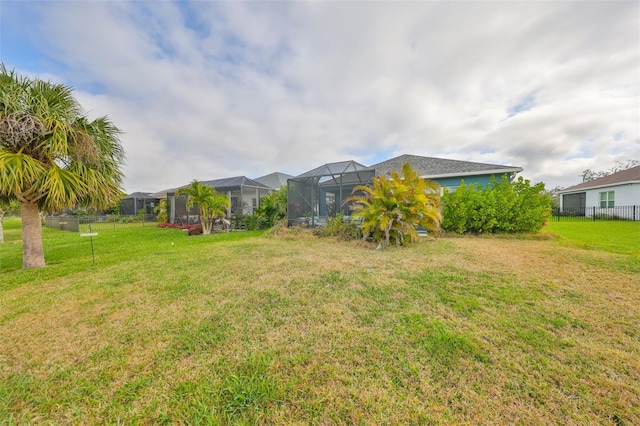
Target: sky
(206,90)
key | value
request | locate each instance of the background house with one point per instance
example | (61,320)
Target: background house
(616,194)
(244,197)
(137,201)
(320,193)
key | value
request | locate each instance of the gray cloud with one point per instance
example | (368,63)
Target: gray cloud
(214,89)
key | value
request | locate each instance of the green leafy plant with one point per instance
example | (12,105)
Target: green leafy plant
(337,227)
(253,222)
(273,207)
(161,211)
(501,207)
(393,208)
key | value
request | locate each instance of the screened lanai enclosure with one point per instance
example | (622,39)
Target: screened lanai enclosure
(320,193)
(134,204)
(244,197)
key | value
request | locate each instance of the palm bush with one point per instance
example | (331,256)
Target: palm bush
(273,207)
(393,208)
(210,203)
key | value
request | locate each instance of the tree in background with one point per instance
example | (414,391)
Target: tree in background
(393,208)
(589,175)
(210,203)
(500,207)
(52,156)
(273,207)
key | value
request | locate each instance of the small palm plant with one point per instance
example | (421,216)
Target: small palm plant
(162,211)
(393,208)
(273,207)
(210,203)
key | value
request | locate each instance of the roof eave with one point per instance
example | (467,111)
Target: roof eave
(607,185)
(475,173)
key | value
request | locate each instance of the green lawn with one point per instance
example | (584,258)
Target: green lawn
(249,328)
(621,237)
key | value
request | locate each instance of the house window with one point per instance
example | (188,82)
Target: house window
(606,199)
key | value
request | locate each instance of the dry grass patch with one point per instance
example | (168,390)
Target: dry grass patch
(296,329)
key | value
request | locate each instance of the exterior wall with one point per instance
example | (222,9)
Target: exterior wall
(625,195)
(453,182)
(626,201)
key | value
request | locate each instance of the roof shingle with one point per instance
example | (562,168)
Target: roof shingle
(429,167)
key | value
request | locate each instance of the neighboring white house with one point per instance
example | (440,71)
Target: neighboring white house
(616,194)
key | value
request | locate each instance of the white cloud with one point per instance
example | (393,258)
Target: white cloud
(214,89)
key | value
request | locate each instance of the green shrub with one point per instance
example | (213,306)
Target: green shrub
(254,222)
(501,207)
(161,211)
(336,227)
(273,207)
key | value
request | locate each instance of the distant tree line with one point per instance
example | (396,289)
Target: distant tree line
(589,175)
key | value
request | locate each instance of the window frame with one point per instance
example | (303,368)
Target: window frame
(607,199)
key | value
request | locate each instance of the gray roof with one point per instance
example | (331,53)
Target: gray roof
(229,184)
(163,193)
(430,167)
(334,169)
(220,185)
(631,175)
(140,196)
(275,180)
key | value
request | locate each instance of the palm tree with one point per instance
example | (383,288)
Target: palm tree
(210,203)
(51,156)
(395,207)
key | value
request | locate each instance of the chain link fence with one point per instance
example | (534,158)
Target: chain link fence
(97,223)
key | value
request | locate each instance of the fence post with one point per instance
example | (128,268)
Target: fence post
(594,213)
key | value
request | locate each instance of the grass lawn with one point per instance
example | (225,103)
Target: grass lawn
(621,237)
(248,328)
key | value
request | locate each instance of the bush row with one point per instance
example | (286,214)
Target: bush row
(501,207)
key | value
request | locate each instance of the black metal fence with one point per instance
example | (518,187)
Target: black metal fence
(97,223)
(597,213)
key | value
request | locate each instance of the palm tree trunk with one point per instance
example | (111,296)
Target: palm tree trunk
(205,222)
(32,250)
